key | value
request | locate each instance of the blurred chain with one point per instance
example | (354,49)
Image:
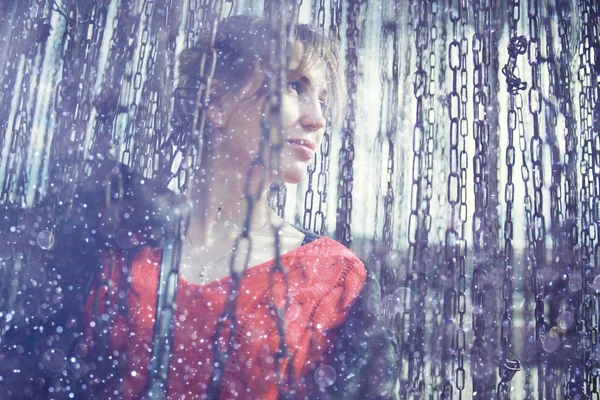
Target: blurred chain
(563,93)
(72,101)
(538,228)
(482,236)
(130,153)
(382,241)
(282,16)
(188,144)
(515,48)
(107,102)
(412,340)
(312,220)
(16,127)
(427,257)
(15,176)
(343,230)
(589,116)
(451,238)
(461,283)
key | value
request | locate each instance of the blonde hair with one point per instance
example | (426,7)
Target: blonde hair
(242,47)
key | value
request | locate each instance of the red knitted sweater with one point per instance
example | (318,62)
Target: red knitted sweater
(324,279)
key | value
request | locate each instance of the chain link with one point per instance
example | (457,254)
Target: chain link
(482,235)
(515,48)
(343,231)
(411,323)
(451,237)
(589,46)
(315,220)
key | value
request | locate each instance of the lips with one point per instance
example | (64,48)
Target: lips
(302,148)
(304,143)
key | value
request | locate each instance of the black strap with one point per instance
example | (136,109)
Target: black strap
(309,236)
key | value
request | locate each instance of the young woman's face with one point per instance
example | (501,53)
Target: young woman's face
(303,124)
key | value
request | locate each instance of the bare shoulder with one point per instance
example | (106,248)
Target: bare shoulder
(290,237)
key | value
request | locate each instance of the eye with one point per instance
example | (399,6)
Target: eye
(296,87)
(323,104)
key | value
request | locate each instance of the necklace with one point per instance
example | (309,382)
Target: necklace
(206,267)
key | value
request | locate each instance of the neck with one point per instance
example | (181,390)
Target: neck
(220,206)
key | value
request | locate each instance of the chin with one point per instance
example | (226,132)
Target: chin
(294,176)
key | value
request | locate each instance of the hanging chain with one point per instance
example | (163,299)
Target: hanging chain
(517,46)
(269,157)
(563,92)
(319,224)
(130,153)
(426,259)
(343,231)
(167,292)
(482,235)
(460,341)
(391,131)
(590,159)
(451,237)
(16,175)
(411,324)
(312,220)
(107,104)
(538,229)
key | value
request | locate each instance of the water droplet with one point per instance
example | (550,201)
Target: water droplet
(566,320)
(35,274)
(45,239)
(291,313)
(575,282)
(551,341)
(126,239)
(54,360)
(373,305)
(325,376)
(596,283)
(6,250)
(29,306)
(401,300)
(81,349)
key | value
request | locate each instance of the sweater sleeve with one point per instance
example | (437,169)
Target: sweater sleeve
(333,283)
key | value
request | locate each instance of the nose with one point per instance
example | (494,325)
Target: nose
(312,118)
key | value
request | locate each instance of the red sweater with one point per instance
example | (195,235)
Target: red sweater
(324,279)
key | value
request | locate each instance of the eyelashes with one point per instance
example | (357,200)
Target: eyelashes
(300,88)
(296,87)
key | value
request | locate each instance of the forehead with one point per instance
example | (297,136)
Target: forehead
(310,66)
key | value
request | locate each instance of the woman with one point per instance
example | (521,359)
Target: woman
(331,346)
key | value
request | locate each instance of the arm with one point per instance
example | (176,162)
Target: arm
(366,357)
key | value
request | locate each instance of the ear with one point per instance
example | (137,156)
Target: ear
(215,115)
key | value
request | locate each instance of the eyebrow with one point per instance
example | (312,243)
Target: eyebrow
(305,80)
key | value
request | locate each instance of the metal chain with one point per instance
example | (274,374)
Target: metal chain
(482,235)
(8,124)
(131,153)
(508,367)
(312,220)
(461,283)
(107,102)
(343,230)
(588,104)
(538,228)
(159,369)
(451,237)
(270,147)
(427,253)
(563,93)
(412,341)
(15,170)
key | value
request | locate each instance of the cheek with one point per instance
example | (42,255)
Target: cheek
(289,111)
